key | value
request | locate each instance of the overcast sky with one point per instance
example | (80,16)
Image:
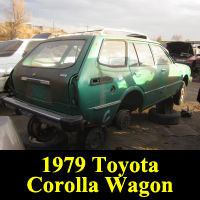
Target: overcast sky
(153,17)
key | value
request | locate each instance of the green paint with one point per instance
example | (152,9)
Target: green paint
(80,97)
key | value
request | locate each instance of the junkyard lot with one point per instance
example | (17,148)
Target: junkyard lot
(142,134)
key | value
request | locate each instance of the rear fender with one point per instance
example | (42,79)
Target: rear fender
(129,91)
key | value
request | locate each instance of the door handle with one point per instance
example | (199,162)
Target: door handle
(137,74)
(163,70)
(101,80)
(95,81)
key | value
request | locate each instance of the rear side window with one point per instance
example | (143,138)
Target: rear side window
(113,53)
(133,59)
(8,48)
(144,54)
(55,54)
(160,56)
(31,45)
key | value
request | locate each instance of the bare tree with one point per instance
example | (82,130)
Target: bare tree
(15,18)
(159,38)
(2,32)
(177,37)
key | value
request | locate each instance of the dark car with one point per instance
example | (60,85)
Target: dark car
(42,36)
(183,52)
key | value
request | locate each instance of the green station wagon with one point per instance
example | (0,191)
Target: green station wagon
(85,82)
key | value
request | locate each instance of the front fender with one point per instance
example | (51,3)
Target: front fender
(185,70)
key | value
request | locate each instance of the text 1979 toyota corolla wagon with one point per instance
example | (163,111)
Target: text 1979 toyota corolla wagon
(87,81)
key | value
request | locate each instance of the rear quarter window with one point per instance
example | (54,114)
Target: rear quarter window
(133,59)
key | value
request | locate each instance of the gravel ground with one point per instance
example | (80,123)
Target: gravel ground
(142,134)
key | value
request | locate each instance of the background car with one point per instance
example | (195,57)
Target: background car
(42,36)
(196,48)
(183,52)
(11,52)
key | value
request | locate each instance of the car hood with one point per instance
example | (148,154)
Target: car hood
(178,48)
(185,69)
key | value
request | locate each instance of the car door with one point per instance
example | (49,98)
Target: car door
(145,74)
(108,78)
(169,72)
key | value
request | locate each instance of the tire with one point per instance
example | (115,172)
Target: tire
(123,119)
(93,139)
(44,136)
(18,112)
(60,141)
(165,106)
(172,118)
(180,95)
(198,96)
(2,105)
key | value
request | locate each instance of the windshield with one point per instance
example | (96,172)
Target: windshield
(55,54)
(8,48)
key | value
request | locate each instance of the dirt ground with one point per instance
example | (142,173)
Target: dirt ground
(142,134)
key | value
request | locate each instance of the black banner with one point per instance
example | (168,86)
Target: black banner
(100,174)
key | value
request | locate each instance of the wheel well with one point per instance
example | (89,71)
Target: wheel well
(185,79)
(132,101)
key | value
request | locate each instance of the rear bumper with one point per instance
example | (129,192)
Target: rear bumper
(64,121)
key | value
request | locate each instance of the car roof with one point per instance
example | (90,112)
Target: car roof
(117,37)
(78,37)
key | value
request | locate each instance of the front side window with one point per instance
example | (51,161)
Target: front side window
(55,54)
(113,53)
(9,48)
(144,54)
(160,56)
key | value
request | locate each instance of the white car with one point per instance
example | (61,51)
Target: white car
(11,52)
(196,48)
